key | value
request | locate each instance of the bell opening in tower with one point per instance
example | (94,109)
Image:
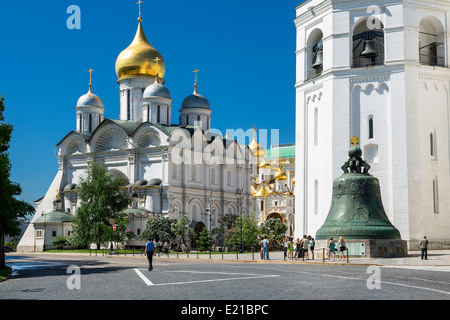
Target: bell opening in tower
(368,44)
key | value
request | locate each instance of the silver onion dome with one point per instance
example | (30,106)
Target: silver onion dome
(156,90)
(195,100)
(90,100)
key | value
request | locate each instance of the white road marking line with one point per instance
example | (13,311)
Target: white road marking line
(212,280)
(424,268)
(250,276)
(144,278)
(335,276)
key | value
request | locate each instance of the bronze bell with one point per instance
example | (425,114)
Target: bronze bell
(369,49)
(319,60)
(356,210)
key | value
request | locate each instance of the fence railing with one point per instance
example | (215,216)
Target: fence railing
(361,62)
(431,60)
(177,253)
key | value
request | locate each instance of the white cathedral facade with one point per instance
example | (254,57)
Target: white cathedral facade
(140,148)
(378,70)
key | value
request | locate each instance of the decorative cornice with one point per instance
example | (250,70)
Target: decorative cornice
(313,13)
(315,88)
(371,78)
(430,77)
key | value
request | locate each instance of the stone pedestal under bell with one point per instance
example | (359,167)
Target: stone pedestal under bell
(367,248)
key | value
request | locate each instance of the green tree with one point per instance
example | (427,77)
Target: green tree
(181,229)
(250,232)
(11,209)
(275,229)
(60,242)
(101,201)
(226,224)
(159,228)
(205,240)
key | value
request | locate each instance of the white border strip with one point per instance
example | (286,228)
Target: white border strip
(147,282)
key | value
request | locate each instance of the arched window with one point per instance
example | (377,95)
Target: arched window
(128,104)
(90,122)
(194,213)
(158,113)
(370,127)
(433,145)
(431,42)
(368,43)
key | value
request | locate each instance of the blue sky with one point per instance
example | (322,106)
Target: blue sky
(245,51)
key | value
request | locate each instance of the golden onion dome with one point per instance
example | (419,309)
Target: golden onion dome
(140,58)
(293,181)
(280,174)
(257,149)
(264,165)
(263,192)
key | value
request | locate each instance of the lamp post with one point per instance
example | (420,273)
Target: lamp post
(45,233)
(239,196)
(209,211)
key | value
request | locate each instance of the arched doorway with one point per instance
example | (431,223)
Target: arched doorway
(198,226)
(276,215)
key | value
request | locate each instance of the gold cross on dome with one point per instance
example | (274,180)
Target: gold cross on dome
(254,130)
(195,84)
(355,141)
(195,72)
(90,79)
(139,3)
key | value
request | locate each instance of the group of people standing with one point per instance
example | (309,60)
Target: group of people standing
(332,248)
(299,249)
(304,248)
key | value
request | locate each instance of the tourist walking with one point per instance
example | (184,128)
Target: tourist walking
(331,249)
(342,247)
(149,248)
(424,248)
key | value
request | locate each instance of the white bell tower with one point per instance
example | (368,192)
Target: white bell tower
(377,70)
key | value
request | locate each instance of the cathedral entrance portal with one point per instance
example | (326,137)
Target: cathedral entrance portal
(198,226)
(276,215)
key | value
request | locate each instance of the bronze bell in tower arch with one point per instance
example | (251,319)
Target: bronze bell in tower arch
(369,49)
